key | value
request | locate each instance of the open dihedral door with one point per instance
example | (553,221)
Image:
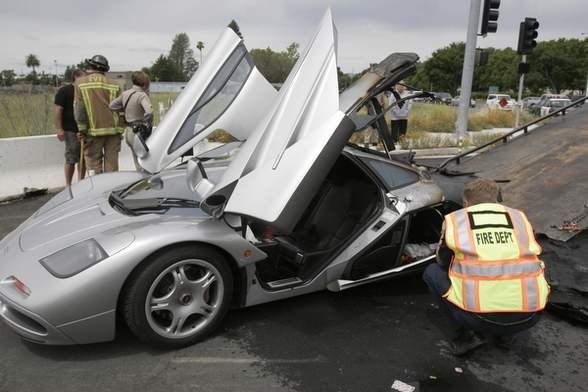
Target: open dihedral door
(227,92)
(281,166)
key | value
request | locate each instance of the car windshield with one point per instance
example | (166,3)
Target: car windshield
(560,103)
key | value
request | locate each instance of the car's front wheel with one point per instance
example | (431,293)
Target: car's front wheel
(179,296)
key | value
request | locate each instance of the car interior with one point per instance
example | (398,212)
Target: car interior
(347,200)
(412,239)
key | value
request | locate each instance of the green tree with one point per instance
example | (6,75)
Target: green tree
(182,56)
(443,69)
(7,77)
(501,70)
(32,61)
(200,46)
(560,64)
(419,79)
(165,70)
(344,79)
(233,25)
(275,66)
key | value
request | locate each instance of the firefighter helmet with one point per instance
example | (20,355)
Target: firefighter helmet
(99,63)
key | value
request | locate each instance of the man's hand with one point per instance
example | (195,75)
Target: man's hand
(61,135)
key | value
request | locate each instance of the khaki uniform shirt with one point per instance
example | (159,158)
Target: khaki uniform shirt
(138,105)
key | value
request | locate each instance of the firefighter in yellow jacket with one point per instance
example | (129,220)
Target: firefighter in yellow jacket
(98,126)
(488,277)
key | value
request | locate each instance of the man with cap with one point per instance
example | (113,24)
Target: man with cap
(99,127)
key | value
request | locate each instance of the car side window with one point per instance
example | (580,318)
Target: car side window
(217,97)
(491,97)
(393,176)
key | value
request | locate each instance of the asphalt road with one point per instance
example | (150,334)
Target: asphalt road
(359,340)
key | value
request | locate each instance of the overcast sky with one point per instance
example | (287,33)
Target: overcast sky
(132,33)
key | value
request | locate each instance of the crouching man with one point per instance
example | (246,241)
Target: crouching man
(488,278)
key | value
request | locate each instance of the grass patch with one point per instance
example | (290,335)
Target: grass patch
(422,140)
(442,118)
(26,114)
(432,118)
(30,114)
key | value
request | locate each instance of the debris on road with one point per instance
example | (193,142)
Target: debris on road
(32,192)
(402,386)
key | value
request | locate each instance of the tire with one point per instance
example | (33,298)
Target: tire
(178,297)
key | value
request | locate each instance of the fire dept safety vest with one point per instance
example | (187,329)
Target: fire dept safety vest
(95,92)
(495,267)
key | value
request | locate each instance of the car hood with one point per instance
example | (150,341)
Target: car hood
(83,211)
(78,222)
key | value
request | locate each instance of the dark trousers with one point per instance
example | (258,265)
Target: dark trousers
(397,129)
(493,324)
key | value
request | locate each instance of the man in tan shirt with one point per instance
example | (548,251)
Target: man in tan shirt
(136,106)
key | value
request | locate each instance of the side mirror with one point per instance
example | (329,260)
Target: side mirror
(196,178)
(139,146)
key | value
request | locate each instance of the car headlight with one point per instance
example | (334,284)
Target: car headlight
(74,259)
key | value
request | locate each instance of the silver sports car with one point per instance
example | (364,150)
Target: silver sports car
(289,211)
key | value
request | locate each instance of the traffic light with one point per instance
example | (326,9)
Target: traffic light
(527,35)
(490,16)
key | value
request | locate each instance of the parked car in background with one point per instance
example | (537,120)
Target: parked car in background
(528,101)
(500,102)
(442,98)
(553,104)
(419,99)
(577,97)
(455,101)
(543,102)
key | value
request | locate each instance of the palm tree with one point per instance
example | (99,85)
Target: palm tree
(32,61)
(200,46)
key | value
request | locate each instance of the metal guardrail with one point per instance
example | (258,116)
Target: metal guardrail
(504,138)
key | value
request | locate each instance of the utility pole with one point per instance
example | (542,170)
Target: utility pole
(467,75)
(56,77)
(520,97)
(489,25)
(586,89)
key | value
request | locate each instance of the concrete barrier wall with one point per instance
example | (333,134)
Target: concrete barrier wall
(37,162)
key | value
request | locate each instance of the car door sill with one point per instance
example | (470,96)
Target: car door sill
(284,283)
(343,284)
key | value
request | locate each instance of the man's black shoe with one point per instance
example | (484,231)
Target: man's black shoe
(466,342)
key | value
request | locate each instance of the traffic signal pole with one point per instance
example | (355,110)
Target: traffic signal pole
(467,75)
(520,98)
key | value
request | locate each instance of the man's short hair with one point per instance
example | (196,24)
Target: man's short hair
(77,73)
(480,191)
(140,79)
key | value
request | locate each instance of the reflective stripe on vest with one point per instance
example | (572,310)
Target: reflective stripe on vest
(495,266)
(112,90)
